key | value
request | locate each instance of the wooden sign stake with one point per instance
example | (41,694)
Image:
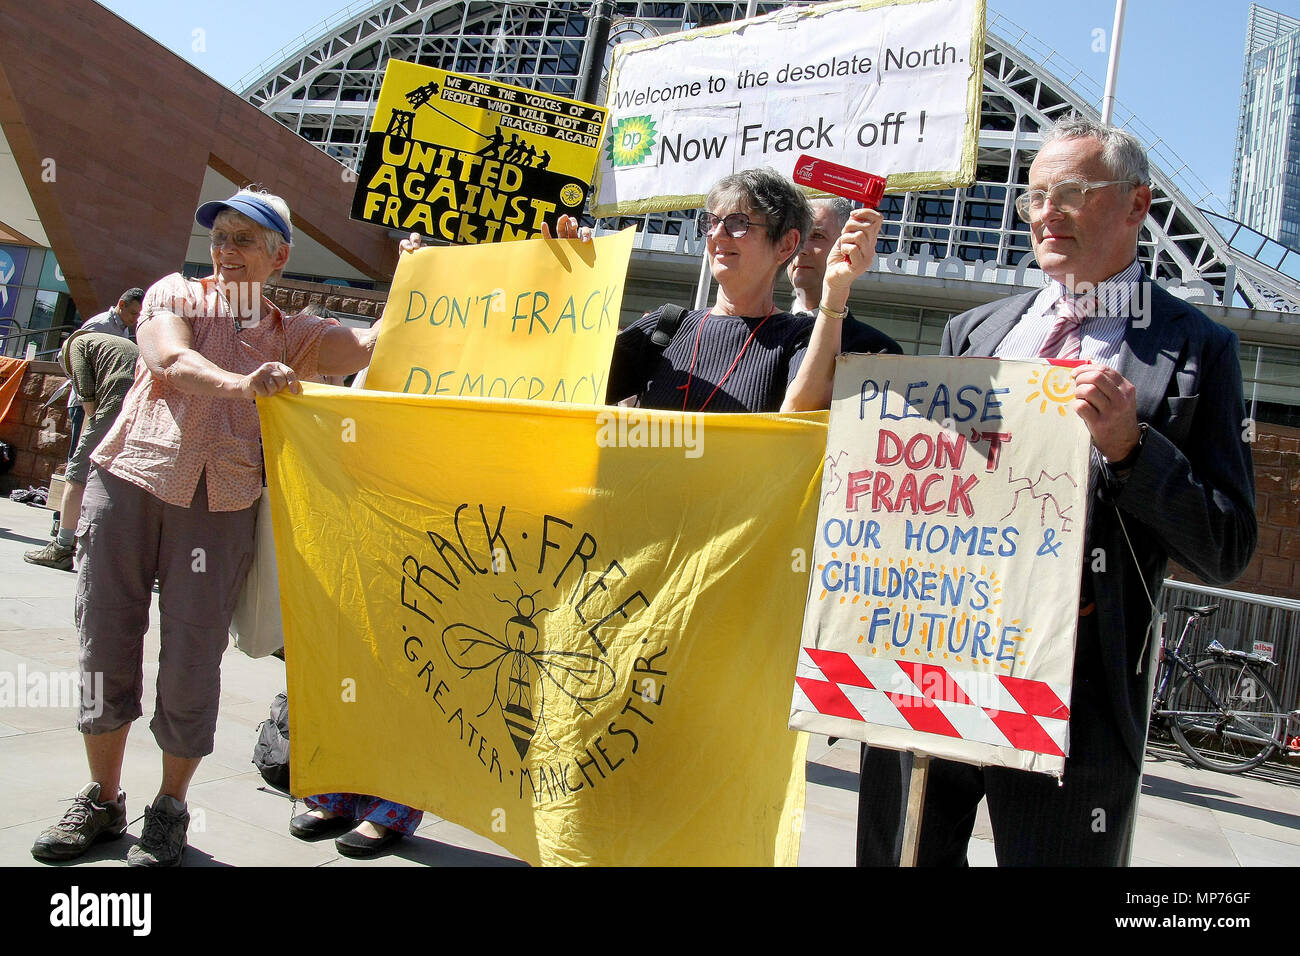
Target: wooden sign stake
(915,804)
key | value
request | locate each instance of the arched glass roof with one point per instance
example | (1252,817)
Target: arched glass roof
(325,90)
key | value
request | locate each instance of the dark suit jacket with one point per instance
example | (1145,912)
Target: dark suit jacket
(1190,494)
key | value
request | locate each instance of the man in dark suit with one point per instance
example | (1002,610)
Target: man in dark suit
(1171,477)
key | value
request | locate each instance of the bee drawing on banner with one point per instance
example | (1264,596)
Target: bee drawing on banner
(522,672)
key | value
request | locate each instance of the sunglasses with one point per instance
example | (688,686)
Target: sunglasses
(735,224)
(240,240)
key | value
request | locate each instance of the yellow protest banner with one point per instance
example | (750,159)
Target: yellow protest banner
(570,630)
(532,320)
(467,159)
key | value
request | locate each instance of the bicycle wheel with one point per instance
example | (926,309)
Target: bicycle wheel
(1236,733)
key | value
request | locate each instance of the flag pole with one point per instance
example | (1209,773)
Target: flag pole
(702,284)
(1112,68)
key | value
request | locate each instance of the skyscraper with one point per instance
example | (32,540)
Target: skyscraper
(1266,170)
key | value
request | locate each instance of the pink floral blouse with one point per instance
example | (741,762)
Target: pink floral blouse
(164,438)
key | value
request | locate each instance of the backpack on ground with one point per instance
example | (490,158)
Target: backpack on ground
(271,753)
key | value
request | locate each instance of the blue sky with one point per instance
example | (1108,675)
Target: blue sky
(1180,68)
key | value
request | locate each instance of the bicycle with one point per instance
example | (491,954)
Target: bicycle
(1221,711)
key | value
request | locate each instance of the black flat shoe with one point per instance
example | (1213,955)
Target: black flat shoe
(359,845)
(307,827)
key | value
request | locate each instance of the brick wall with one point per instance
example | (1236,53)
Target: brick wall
(1275,569)
(39,437)
(292,296)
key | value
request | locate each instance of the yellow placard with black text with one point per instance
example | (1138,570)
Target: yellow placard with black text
(467,159)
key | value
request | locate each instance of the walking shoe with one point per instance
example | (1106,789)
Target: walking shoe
(53,555)
(86,821)
(163,839)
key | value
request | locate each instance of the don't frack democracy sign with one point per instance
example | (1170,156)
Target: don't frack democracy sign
(529,320)
(468,160)
(945,587)
(891,89)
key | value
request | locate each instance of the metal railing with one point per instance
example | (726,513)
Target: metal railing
(41,354)
(1242,620)
(321,31)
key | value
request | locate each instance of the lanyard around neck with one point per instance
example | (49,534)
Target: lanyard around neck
(695,351)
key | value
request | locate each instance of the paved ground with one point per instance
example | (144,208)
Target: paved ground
(1188,816)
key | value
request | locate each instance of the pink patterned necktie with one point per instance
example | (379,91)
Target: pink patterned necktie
(1064,340)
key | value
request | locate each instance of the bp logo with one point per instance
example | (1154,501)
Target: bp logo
(631,141)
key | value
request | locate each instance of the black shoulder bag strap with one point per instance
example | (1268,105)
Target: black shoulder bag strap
(666,326)
(670,319)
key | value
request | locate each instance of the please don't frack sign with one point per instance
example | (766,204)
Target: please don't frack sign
(945,580)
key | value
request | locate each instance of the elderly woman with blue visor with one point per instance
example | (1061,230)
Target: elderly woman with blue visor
(172,497)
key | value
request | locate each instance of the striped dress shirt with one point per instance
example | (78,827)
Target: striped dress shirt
(1118,300)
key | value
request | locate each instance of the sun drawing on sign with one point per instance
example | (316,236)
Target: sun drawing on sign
(1056,387)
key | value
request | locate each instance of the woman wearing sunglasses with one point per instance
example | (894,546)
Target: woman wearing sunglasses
(743,354)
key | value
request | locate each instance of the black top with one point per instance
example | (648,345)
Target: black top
(757,384)
(860,337)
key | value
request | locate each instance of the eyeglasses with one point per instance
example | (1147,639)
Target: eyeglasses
(240,240)
(1067,196)
(735,224)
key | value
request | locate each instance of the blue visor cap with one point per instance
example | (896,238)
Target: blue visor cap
(258,210)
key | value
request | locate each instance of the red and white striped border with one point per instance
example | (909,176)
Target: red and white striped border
(991,709)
